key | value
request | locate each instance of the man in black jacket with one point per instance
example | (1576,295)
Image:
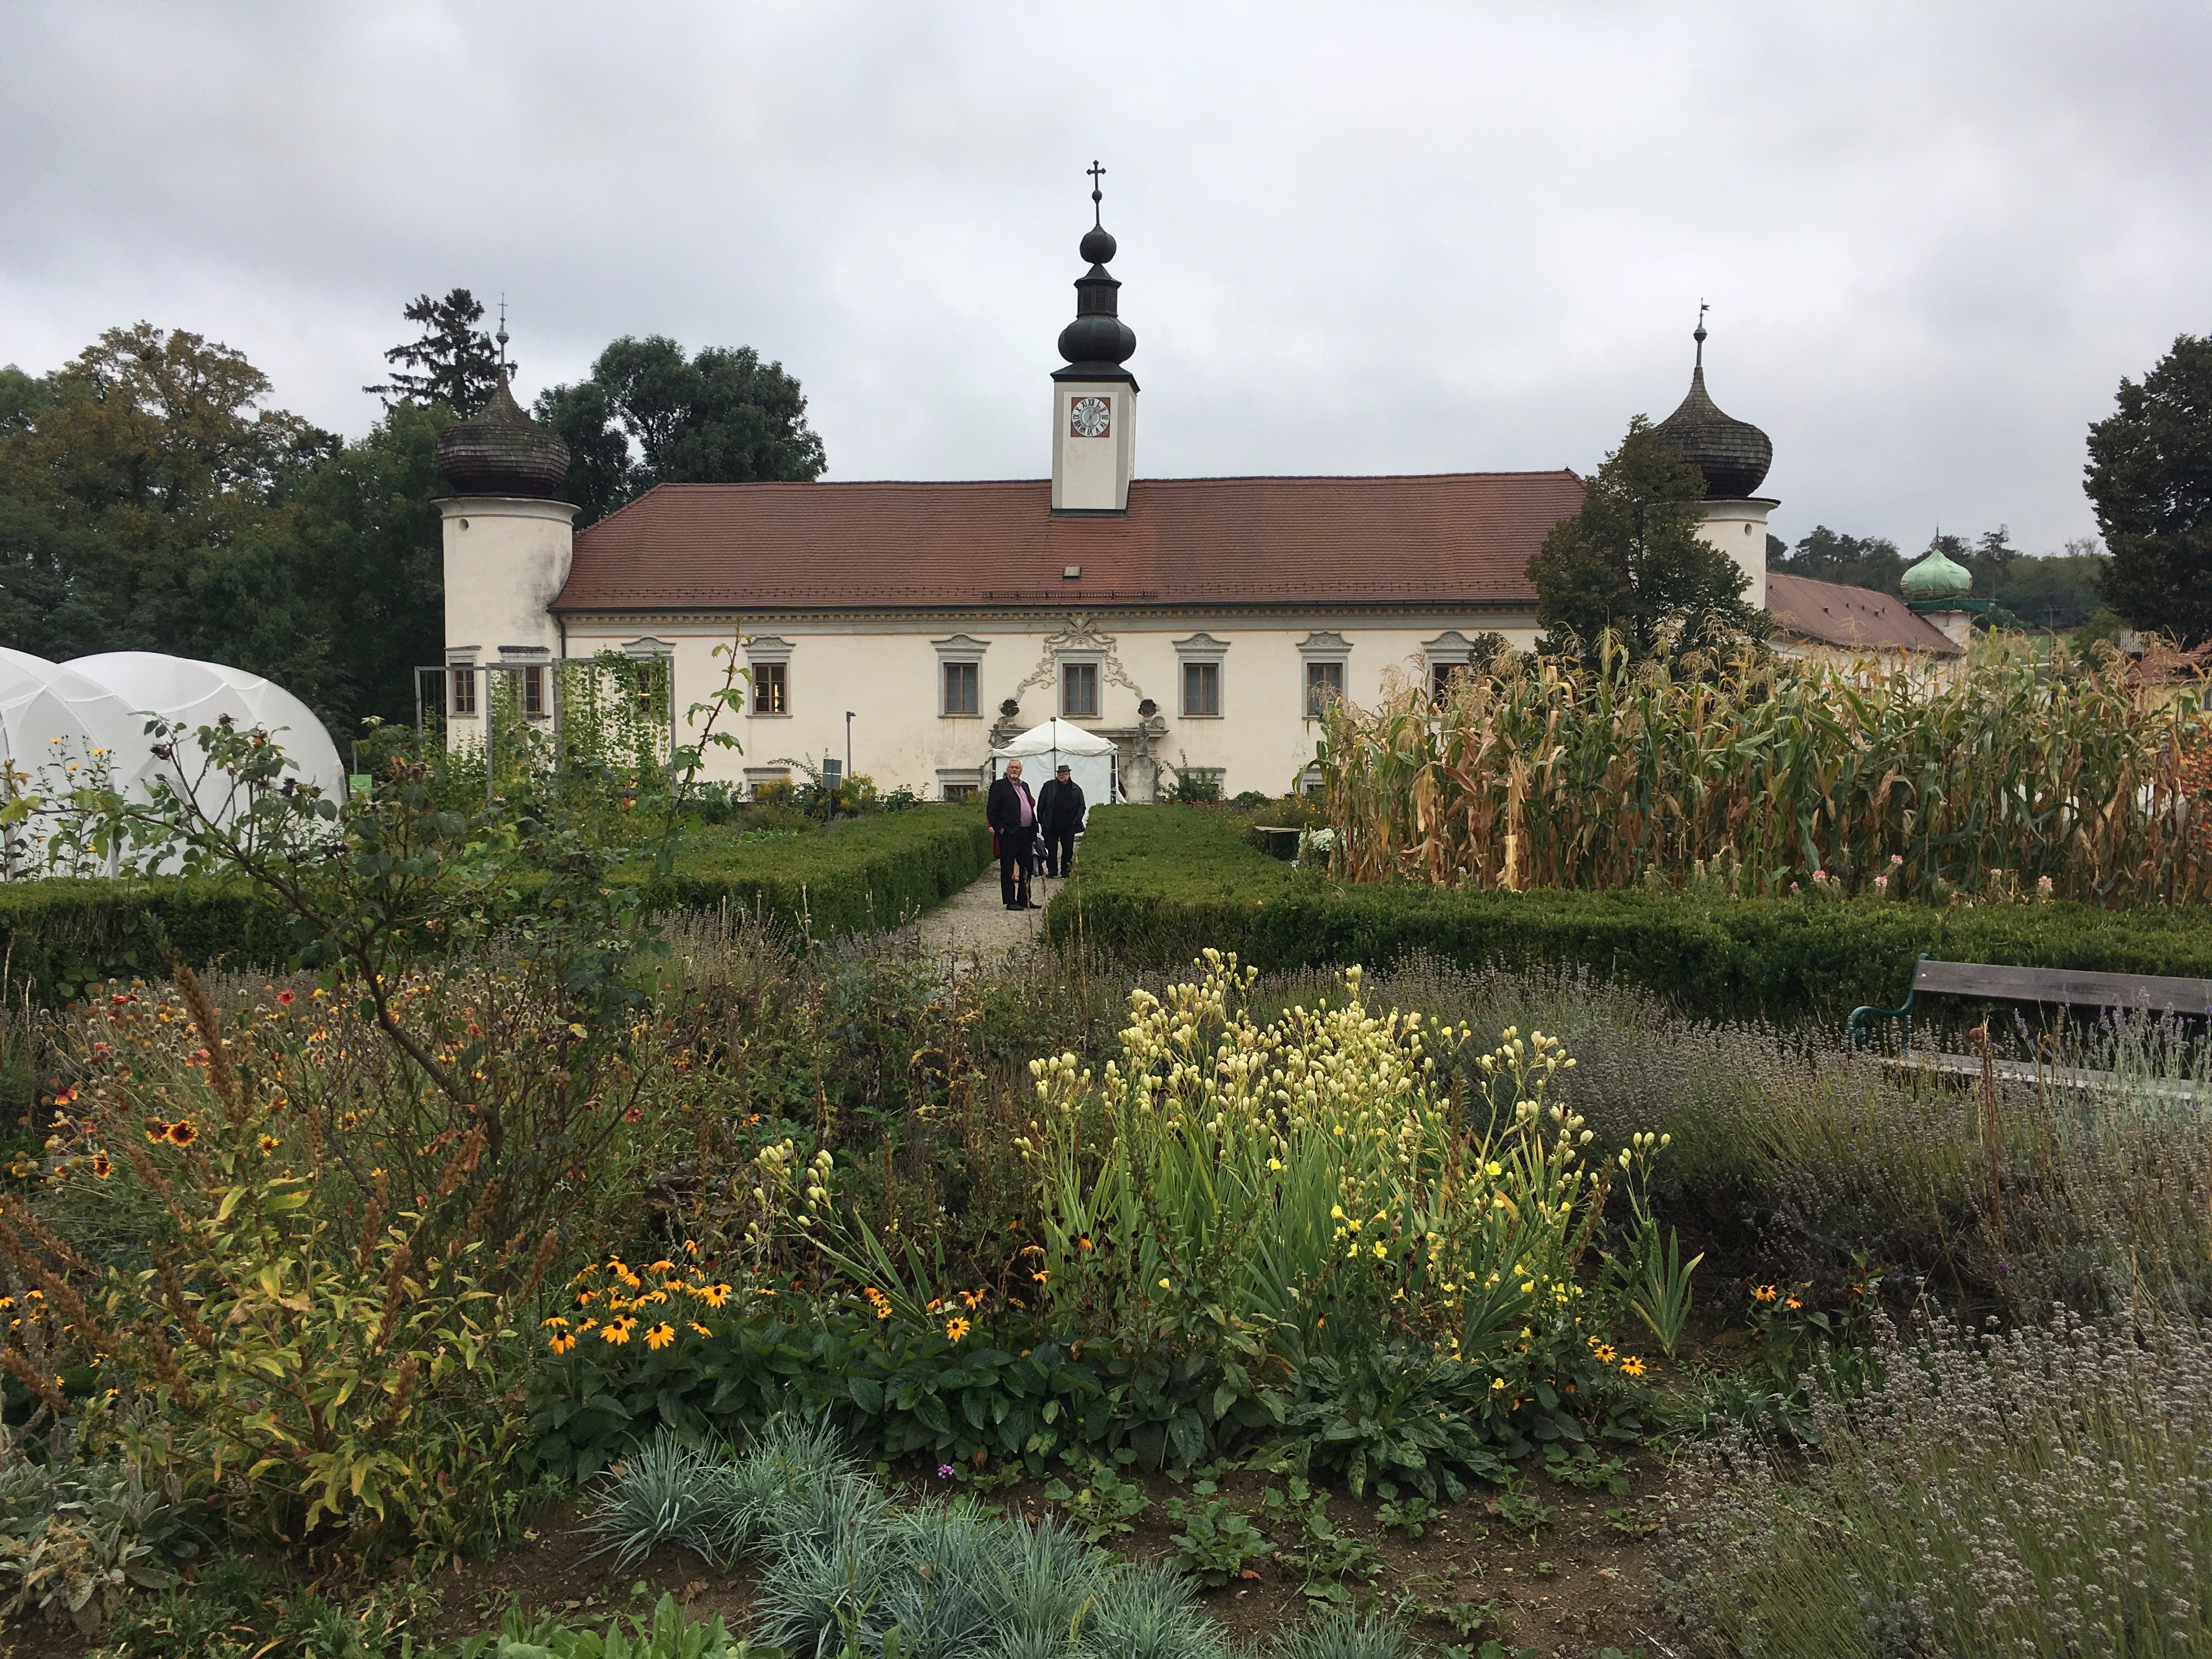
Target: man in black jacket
(1013,817)
(1060,814)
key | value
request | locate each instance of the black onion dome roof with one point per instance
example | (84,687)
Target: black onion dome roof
(1097,343)
(1733,454)
(501,451)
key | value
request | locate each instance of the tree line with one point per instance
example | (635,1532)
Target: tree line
(1631,560)
(153,498)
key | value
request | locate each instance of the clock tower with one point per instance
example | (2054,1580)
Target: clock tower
(1094,398)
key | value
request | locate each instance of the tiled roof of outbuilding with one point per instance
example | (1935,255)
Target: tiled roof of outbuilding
(1454,540)
(1851,618)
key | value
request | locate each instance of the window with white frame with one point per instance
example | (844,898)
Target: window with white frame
(960,676)
(768,659)
(464,689)
(1322,657)
(1078,690)
(1199,671)
(958,782)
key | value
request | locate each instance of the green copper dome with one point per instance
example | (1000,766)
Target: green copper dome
(1936,577)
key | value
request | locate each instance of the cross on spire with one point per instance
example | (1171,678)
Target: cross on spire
(1699,336)
(1097,196)
(502,336)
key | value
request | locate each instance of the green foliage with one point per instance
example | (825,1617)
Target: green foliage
(2150,479)
(65,938)
(1340,1635)
(1160,886)
(76,1536)
(1108,1506)
(150,501)
(235,1610)
(452,361)
(668,1632)
(1216,1541)
(664,1491)
(2037,1489)
(648,414)
(1630,562)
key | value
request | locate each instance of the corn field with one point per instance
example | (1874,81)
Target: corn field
(2057,776)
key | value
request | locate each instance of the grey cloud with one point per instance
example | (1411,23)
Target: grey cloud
(1393,238)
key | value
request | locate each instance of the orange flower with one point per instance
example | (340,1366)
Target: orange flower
(697,1326)
(660,1336)
(560,1341)
(269,1144)
(286,999)
(956,1327)
(714,1295)
(1764,1293)
(182,1133)
(102,1165)
(617,1331)
(1631,1366)
(156,1131)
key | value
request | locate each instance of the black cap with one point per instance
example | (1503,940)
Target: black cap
(1062,767)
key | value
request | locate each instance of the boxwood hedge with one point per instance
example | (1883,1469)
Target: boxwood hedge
(1157,884)
(56,936)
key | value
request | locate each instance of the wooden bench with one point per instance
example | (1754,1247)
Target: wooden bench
(2065,987)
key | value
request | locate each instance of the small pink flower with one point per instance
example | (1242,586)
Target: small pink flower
(944,1471)
(1882,882)
(1897,858)
(2043,882)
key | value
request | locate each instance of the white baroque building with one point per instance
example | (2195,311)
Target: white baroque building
(1197,622)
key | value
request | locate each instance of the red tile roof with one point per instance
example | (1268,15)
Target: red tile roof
(1851,618)
(1451,540)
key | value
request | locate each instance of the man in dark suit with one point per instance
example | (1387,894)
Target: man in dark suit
(1013,817)
(1060,814)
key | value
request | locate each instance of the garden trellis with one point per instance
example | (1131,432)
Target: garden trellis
(615,710)
(2053,773)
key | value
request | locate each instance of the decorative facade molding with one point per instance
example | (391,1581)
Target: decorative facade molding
(1325,646)
(960,647)
(647,648)
(1081,640)
(767,648)
(1200,647)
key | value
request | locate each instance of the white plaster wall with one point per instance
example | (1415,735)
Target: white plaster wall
(889,675)
(1093,473)
(1739,530)
(505,559)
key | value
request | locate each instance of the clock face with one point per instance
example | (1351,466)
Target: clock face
(1088,417)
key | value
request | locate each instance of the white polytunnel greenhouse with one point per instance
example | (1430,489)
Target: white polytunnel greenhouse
(63,724)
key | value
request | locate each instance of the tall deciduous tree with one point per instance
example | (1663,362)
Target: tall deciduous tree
(2150,478)
(149,503)
(1631,559)
(452,361)
(648,415)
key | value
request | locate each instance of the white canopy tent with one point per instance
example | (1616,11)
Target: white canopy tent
(196,693)
(63,725)
(1088,757)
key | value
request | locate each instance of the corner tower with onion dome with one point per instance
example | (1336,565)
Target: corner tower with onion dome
(510,540)
(1938,587)
(1094,398)
(1734,456)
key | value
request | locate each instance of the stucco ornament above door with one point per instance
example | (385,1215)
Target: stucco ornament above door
(1080,635)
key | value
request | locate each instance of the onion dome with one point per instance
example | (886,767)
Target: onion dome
(1936,577)
(1097,343)
(501,451)
(1734,455)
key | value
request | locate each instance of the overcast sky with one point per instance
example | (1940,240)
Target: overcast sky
(1354,238)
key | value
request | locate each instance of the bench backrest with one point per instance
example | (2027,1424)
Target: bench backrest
(2073,987)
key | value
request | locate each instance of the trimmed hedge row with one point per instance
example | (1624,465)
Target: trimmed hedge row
(60,936)
(1159,884)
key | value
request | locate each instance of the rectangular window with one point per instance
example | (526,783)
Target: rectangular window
(533,691)
(1441,675)
(1324,685)
(1201,688)
(964,688)
(959,792)
(1078,690)
(771,687)
(464,690)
